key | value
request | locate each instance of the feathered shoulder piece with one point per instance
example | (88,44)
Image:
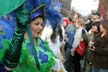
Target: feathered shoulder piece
(7,26)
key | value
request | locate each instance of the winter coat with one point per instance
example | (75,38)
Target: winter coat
(100,58)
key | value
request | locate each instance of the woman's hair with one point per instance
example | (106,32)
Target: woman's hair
(81,21)
(54,35)
(56,31)
(60,32)
(105,26)
(97,24)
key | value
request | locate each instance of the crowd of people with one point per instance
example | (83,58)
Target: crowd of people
(54,47)
(94,59)
(65,38)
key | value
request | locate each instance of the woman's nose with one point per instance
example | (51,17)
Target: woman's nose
(40,26)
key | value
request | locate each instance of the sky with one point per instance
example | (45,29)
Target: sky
(85,6)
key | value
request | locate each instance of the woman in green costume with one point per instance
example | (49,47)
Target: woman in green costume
(17,54)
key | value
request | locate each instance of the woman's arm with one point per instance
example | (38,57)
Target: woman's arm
(101,51)
(12,56)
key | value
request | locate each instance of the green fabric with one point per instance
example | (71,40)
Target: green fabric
(23,16)
(89,53)
(6,6)
(27,61)
(3,50)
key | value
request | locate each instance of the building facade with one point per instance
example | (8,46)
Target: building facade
(103,8)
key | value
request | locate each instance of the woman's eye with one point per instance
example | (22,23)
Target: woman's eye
(42,24)
(39,24)
(36,23)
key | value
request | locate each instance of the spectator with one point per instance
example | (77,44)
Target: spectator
(100,49)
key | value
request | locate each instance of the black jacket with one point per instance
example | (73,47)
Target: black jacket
(100,58)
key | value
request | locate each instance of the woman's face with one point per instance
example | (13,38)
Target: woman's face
(94,28)
(94,17)
(75,17)
(102,29)
(64,24)
(77,24)
(37,26)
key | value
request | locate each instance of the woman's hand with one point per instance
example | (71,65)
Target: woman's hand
(72,51)
(91,43)
(92,48)
(8,69)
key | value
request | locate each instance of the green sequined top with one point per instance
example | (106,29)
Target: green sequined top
(27,61)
